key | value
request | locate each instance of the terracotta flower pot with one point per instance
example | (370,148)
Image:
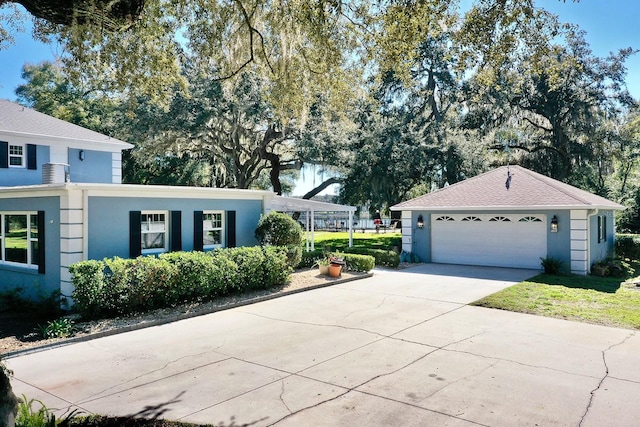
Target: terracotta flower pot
(335,270)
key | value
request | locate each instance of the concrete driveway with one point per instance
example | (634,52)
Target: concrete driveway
(400,348)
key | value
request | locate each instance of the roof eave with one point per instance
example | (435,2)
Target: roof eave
(111,142)
(504,208)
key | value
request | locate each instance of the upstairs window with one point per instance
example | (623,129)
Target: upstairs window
(16,156)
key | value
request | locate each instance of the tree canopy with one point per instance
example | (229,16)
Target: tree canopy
(392,97)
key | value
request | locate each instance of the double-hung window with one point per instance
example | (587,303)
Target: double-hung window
(16,156)
(212,229)
(19,238)
(153,229)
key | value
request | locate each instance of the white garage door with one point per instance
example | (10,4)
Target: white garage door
(494,240)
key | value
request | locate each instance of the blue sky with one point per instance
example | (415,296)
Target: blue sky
(609,25)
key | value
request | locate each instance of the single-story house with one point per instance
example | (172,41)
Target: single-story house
(510,217)
(62,201)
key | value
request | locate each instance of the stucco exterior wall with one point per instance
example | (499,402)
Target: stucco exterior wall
(603,249)
(108,228)
(36,285)
(10,177)
(96,166)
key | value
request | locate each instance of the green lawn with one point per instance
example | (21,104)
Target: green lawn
(605,301)
(338,240)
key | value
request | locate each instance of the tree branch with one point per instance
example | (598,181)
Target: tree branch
(325,184)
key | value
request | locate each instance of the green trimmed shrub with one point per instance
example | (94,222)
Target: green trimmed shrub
(276,267)
(278,229)
(250,263)
(224,274)
(89,283)
(116,286)
(152,283)
(382,257)
(355,262)
(309,259)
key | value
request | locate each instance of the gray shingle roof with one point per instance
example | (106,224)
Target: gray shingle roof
(527,189)
(17,119)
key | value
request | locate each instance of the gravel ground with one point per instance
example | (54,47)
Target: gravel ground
(12,341)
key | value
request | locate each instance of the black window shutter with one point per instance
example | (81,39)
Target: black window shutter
(175,228)
(41,251)
(231,229)
(604,228)
(135,234)
(4,154)
(31,157)
(198,238)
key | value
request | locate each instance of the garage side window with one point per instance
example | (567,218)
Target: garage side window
(153,229)
(19,239)
(212,229)
(602,228)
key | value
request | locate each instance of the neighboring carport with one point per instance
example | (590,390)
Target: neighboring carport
(310,208)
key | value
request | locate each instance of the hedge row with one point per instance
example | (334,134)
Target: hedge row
(116,286)
(628,246)
(381,257)
(353,262)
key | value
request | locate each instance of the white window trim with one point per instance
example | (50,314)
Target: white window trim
(23,163)
(166,234)
(222,228)
(30,239)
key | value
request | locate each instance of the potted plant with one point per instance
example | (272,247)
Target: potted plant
(323,265)
(335,266)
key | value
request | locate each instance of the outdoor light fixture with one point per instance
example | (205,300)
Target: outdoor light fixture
(420,222)
(81,155)
(554,224)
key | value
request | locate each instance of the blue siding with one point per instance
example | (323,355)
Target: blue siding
(96,166)
(11,177)
(604,249)
(422,236)
(559,244)
(109,220)
(33,284)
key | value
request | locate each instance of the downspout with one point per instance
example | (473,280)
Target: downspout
(589,215)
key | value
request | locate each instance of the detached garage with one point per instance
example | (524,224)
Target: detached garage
(509,217)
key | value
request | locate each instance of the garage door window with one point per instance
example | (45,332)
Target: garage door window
(530,219)
(444,218)
(500,219)
(471,218)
